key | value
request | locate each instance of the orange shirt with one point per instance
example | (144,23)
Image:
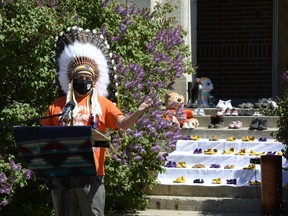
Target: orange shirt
(108,119)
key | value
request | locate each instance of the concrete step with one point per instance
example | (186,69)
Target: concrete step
(156,212)
(246,120)
(225,132)
(226,199)
(207,204)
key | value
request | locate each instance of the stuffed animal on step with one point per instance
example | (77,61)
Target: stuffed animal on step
(176,112)
(206,87)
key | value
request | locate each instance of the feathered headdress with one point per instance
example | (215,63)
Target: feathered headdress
(77,47)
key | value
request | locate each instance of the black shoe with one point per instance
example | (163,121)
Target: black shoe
(262,124)
(201,181)
(254,124)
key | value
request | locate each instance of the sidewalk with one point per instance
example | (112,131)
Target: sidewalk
(152,212)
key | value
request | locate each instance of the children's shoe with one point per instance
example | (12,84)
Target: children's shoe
(234,112)
(262,124)
(180,179)
(254,124)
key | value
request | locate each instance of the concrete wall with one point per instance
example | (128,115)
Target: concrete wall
(282,45)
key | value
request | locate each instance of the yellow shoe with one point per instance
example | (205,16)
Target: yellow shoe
(231,151)
(231,138)
(245,139)
(181,165)
(251,138)
(280,154)
(225,152)
(250,167)
(243,152)
(216,181)
(252,153)
(196,137)
(180,179)
(254,183)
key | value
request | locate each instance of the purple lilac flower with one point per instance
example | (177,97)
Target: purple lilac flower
(14,166)
(104,3)
(27,174)
(4,202)
(3,177)
(5,189)
(138,158)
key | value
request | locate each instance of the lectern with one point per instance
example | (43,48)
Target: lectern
(55,153)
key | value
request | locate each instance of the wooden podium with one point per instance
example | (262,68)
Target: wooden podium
(55,153)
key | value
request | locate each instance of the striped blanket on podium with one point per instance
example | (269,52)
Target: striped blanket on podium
(61,155)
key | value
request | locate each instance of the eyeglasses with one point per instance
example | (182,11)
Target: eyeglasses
(83,77)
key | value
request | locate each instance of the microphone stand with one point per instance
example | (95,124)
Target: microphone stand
(29,120)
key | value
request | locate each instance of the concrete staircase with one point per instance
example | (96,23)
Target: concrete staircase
(218,200)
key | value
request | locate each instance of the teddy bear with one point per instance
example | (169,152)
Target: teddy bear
(206,86)
(176,112)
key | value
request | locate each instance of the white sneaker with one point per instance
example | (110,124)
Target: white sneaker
(221,104)
(195,112)
(228,104)
(201,112)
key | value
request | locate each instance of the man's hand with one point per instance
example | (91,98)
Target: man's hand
(146,105)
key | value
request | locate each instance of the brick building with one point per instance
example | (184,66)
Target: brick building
(241,45)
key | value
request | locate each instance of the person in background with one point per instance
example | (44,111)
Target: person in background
(86,77)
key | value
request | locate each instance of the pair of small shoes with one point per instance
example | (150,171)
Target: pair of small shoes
(231,181)
(198,181)
(170,164)
(241,152)
(230,112)
(262,139)
(210,151)
(199,112)
(229,166)
(181,164)
(250,167)
(235,125)
(197,151)
(195,137)
(215,166)
(180,179)
(228,151)
(214,138)
(216,181)
(231,138)
(271,153)
(198,165)
(254,182)
(248,138)
(258,124)
(246,105)
(246,112)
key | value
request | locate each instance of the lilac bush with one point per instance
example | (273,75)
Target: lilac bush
(150,55)
(12,176)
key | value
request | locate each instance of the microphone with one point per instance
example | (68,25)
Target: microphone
(66,110)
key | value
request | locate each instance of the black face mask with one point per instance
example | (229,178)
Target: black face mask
(82,86)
